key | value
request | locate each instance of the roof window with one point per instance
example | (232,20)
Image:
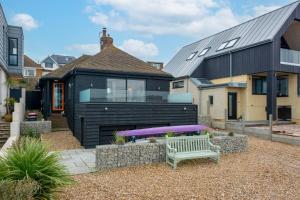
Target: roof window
(192,55)
(228,44)
(231,43)
(223,45)
(204,51)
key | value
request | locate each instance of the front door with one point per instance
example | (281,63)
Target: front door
(232,105)
(58,96)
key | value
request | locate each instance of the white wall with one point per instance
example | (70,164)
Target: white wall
(3,92)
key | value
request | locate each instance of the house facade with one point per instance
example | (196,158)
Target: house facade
(53,62)
(11,56)
(112,91)
(249,71)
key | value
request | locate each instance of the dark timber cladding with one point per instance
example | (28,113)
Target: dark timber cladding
(99,120)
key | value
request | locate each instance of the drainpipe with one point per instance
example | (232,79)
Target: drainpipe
(230,66)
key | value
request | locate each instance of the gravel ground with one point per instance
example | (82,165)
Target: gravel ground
(269,170)
(61,140)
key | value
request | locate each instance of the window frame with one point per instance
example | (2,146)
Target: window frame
(279,79)
(226,44)
(298,85)
(205,52)
(176,82)
(192,55)
(254,90)
(11,54)
(49,67)
(26,69)
(211,100)
(235,39)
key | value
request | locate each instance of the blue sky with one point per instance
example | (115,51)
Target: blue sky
(151,30)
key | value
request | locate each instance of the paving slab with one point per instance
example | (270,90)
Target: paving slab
(78,161)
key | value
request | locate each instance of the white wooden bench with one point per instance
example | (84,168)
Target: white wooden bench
(190,147)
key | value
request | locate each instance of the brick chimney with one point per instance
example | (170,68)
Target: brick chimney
(105,40)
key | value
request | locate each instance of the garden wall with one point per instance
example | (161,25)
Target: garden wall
(39,126)
(133,154)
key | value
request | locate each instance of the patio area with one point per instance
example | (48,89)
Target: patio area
(268,170)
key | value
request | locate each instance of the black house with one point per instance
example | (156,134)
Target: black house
(112,91)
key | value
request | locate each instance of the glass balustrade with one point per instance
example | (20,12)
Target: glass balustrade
(94,95)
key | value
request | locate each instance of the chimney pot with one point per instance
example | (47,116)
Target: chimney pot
(105,40)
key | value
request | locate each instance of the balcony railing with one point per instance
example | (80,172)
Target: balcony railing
(289,57)
(94,95)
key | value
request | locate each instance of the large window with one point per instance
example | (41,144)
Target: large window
(259,85)
(49,64)
(136,90)
(13,51)
(116,90)
(29,72)
(282,86)
(178,84)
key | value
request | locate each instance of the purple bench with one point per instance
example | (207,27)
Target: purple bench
(162,130)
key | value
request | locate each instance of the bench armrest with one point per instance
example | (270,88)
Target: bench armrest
(171,150)
(215,148)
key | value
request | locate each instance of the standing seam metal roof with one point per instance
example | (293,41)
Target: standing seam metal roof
(258,30)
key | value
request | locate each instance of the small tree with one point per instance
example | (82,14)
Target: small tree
(8,84)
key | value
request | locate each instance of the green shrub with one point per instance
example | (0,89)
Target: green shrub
(170,134)
(8,117)
(31,132)
(120,140)
(22,189)
(231,134)
(29,158)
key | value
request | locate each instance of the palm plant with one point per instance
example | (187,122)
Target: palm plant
(29,158)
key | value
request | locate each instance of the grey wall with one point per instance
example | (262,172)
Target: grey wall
(248,61)
(7,31)
(3,39)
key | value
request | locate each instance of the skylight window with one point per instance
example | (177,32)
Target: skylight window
(192,55)
(228,44)
(203,52)
(223,45)
(231,43)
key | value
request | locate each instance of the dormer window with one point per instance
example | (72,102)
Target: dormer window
(204,51)
(192,55)
(13,51)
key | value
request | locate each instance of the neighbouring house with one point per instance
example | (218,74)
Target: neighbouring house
(11,56)
(112,91)
(53,62)
(249,71)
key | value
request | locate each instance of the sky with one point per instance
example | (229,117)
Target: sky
(152,30)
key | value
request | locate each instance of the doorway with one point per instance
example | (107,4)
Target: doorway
(58,96)
(232,105)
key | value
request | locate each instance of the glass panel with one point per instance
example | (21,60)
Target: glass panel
(13,46)
(259,85)
(231,43)
(192,55)
(48,65)
(204,51)
(136,90)
(13,60)
(116,90)
(100,95)
(282,86)
(58,96)
(223,45)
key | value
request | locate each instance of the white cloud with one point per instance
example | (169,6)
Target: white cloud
(157,17)
(261,9)
(198,18)
(90,49)
(139,48)
(25,20)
